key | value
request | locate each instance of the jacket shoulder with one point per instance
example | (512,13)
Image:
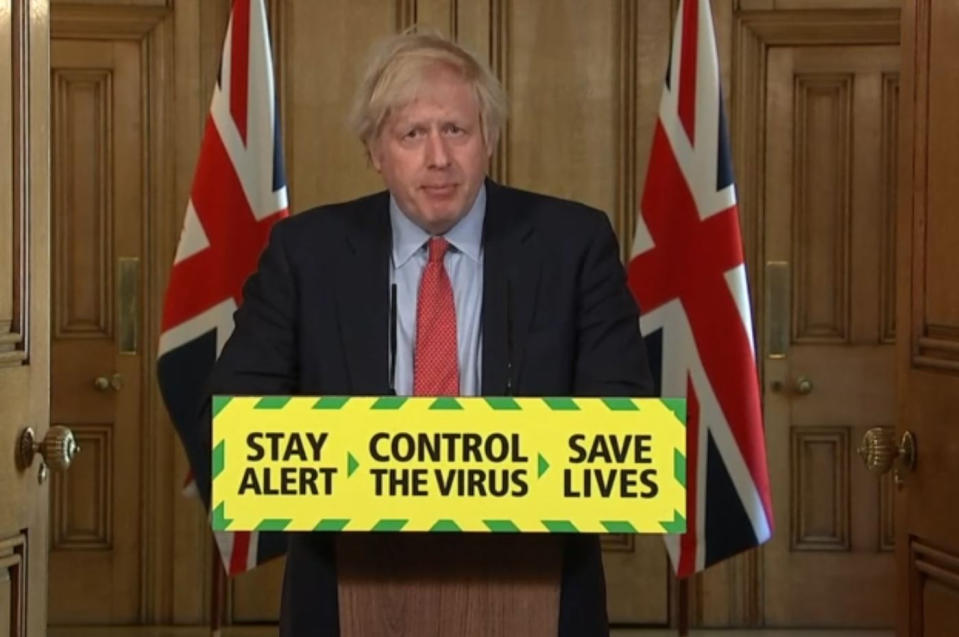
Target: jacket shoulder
(330,222)
(550,213)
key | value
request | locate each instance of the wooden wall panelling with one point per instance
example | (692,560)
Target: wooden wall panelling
(439,15)
(728,593)
(781,5)
(24,308)
(14,194)
(325,162)
(11,328)
(926,531)
(111,4)
(13,586)
(934,576)
(198,39)
(938,299)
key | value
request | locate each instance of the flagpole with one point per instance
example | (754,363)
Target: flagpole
(682,621)
(216,591)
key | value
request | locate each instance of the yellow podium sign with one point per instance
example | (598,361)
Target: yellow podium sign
(573,465)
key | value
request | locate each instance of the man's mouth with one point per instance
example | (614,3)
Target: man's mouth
(439,190)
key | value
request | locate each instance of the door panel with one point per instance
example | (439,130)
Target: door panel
(24,316)
(927,533)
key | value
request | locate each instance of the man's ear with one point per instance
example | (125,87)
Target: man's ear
(373,150)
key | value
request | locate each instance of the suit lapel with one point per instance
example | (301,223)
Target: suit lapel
(511,271)
(363,299)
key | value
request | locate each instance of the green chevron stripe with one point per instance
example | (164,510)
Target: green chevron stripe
(542,465)
(331,524)
(560,526)
(618,526)
(501,526)
(219,402)
(389,402)
(678,524)
(679,467)
(273,524)
(677,406)
(446,402)
(351,464)
(561,404)
(503,403)
(446,526)
(331,402)
(620,404)
(389,525)
(219,458)
(220,521)
(272,402)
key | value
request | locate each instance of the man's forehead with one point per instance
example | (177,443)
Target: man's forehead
(429,104)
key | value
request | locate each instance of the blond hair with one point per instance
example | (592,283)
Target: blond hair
(399,66)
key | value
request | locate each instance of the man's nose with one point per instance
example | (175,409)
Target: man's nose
(437,153)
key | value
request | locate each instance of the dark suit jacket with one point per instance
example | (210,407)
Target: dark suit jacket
(315,321)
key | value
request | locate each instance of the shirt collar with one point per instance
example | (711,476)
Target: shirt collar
(466,236)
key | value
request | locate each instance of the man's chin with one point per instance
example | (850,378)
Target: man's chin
(439,221)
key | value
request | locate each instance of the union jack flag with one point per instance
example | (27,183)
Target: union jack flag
(687,274)
(238,193)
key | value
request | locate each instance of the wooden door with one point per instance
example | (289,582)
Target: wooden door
(830,372)
(96,353)
(927,531)
(24,316)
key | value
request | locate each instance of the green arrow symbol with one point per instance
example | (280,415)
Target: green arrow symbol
(351,464)
(543,465)
(220,521)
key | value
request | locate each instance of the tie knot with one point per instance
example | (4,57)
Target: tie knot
(438,248)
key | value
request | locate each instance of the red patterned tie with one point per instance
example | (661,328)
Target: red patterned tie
(435,367)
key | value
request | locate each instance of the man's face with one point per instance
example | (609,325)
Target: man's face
(431,152)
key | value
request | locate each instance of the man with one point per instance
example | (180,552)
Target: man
(497,291)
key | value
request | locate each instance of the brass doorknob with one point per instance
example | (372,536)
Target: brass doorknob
(115,382)
(880,452)
(58,448)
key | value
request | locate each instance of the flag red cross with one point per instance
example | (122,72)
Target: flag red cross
(709,248)
(236,239)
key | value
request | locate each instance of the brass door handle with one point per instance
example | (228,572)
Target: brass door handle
(57,449)
(802,386)
(115,382)
(880,452)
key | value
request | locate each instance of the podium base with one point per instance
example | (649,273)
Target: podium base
(462,584)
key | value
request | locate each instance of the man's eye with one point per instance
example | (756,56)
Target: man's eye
(453,129)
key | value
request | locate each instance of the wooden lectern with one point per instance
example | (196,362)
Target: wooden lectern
(460,584)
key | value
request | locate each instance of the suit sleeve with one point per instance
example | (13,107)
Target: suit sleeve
(260,356)
(610,354)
